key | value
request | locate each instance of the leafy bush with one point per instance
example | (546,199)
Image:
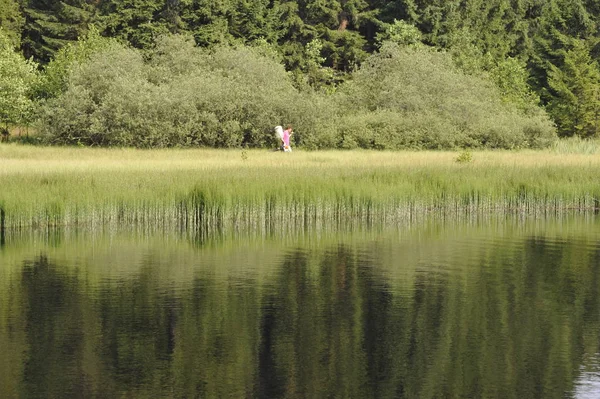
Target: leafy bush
(18,76)
(56,74)
(464,157)
(414,97)
(182,95)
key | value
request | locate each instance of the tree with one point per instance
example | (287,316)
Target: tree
(256,19)
(54,80)
(400,32)
(138,22)
(11,20)
(50,25)
(17,77)
(413,96)
(559,22)
(575,87)
(510,76)
(318,76)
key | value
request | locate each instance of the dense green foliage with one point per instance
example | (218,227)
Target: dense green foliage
(11,20)
(50,25)
(416,98)
(536,52)
(182,95)
(54,81)
(18,77)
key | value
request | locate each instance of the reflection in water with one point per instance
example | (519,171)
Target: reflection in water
(464,312)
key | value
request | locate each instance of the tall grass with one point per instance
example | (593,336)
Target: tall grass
(576,145)
(217,190)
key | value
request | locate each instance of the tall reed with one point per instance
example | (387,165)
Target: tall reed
(214,190)
(576,145)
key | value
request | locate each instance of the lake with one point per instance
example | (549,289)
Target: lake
(495,307)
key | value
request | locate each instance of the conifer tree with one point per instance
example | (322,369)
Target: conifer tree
(255,19)
(575,87)
(390,10)
(561,65)
(138,22)
(52,24)
(337,24)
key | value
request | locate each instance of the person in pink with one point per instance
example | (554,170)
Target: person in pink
(286,138)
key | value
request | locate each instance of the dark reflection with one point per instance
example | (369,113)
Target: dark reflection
(501,320)
(312,330)
(54,320)
(136,329)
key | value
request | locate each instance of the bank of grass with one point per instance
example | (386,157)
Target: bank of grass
(576,145)
(257,189)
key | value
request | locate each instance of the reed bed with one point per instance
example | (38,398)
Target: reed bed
(209,190)
(577,145)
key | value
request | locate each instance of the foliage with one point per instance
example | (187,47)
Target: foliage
(465,157)
(318,76)
(413,97)
(137,22)
(520,44)
(181,96)
(17,78)
(11,20)
(50,25)
(400,32)
(576,93)
(510,76)
(56,74)
(527,37)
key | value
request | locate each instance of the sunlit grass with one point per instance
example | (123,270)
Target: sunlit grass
(576,145)
(222,189)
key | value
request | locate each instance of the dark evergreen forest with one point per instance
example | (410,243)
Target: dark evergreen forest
(536,52)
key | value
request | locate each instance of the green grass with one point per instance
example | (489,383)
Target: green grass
(576,145)
(262,190)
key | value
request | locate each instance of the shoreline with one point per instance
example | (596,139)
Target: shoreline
(229,189)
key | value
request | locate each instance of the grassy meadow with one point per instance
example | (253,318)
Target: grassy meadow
(259,189)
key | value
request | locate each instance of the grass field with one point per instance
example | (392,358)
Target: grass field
(257,189)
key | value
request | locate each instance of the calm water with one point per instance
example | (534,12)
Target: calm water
(489,309)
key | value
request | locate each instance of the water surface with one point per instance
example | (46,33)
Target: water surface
(504,308)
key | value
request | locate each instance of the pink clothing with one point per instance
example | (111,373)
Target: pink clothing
(286,137)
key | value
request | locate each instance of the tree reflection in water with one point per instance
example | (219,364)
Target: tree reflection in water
(493,317)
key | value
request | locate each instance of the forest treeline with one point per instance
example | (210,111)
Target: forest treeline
(353,61)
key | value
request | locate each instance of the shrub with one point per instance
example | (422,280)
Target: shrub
(182,95)
(419,99)
(464,157)
(18,76)
(56,74)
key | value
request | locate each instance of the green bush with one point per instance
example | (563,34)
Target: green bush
(18,76)
(464,157)
(182,95)
(414,97)
(56,74)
